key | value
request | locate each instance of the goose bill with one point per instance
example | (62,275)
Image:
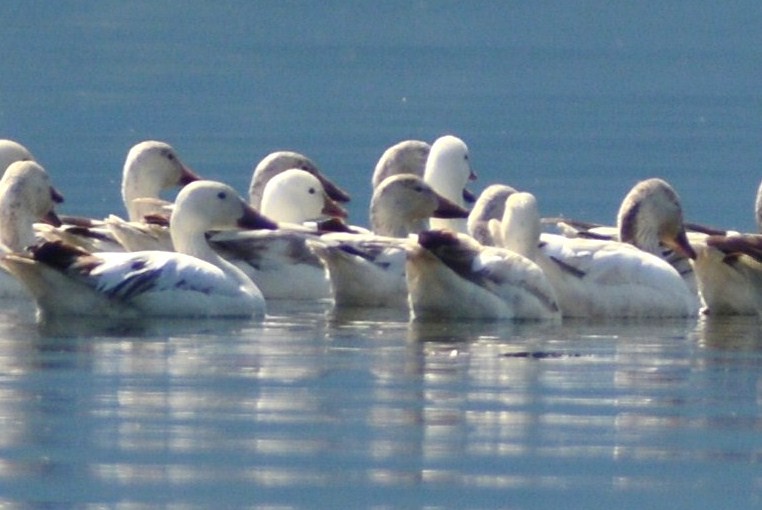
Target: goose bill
(254,220)
(333,209)
(188,176)
(447,209)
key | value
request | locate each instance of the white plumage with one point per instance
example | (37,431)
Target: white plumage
(65,280)
(450,275)
(591,277)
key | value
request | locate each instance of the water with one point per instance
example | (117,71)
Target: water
(328,409)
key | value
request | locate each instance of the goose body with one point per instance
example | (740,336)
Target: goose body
(279,261)
(369,270)
(66,280)
(728,267)
(450,275)
(651,219)
(592,277)
(448,170)
(729,271)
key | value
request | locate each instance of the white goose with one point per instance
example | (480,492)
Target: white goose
(149,168)
(369,270)
(279,261)
(591,277)
(280,161)
(650,218)
(447,171)
(489,206)
(450,275)
(12,151)
(26,197)
(65,280)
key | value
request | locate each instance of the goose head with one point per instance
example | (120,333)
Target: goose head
(403,203)
(651,217)
(520,225)
(10,152)
(405,157)
(149,168)
(202,206)
(489,206)
(278,162)
(296,196)
(26,196)
(448,168)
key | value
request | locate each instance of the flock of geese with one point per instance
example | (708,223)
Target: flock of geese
(432,247)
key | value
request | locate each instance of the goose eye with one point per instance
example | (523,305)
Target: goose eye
(222,195)
(312,191)
(171,156)
(418,189)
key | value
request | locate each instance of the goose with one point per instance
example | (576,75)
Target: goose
(489,206)
(150,167)
(276,260)
(595,278)
(280,161)
(193,282)
(728,267)
(650,218)
(12,151)
(447,171)
(369,270)
(26,196)
(450,275)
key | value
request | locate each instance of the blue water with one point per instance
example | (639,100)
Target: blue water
(574,101)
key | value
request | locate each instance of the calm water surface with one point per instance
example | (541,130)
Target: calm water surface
(318,408)
(315,409)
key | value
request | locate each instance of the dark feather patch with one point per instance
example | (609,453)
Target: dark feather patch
(454,254)
(63,256)
(735,246)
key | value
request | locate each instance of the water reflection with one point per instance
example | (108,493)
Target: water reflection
(314,398)
(742,333)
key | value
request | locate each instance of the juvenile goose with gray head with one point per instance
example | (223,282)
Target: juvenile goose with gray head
(369,270)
